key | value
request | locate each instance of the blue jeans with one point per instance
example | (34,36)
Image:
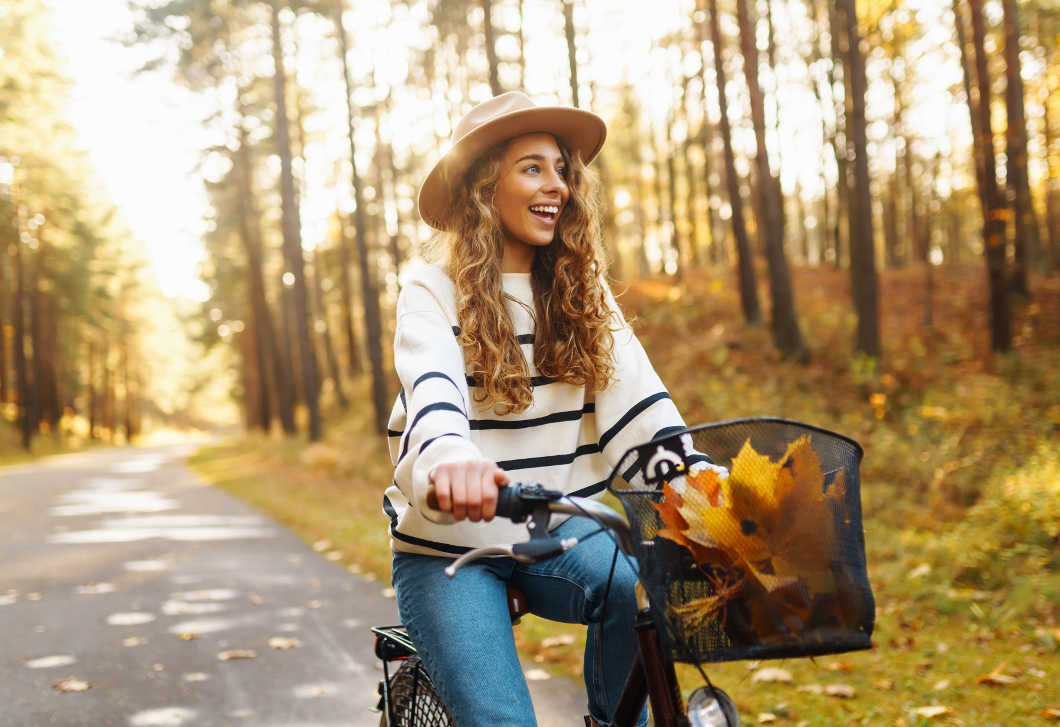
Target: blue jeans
(463,633)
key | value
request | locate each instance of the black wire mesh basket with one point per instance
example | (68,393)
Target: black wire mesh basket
(766,562)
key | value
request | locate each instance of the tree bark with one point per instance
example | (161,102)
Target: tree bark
(993,209)
(274,372)
(292,237)
(370,293)
(837,79)
(786,335)
(572,51)
(1027,238)
(491,48)
(863,282)
(22,392)
(353,356)
(1052,186)
(321,314)
(671,188)
(973,101)
(752,313)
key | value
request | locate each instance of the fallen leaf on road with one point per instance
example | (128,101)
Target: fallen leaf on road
(388,593)
(843,691)
(93,589)
(196,677)
(353,568)
(34,596)
(321,545)
(810,689)
(538,675)
(940,685)
(281,642)
(257,600)
(766,717)
(1051,712)
(1036,673)
(314,604)
(187,636)
(997,676)
(133,641)
(934,710)
(48,662)
(237,654)
(71,685)
(885,684)
(314,582)
(334,555)
(9,599)
(841,666)
(772,674)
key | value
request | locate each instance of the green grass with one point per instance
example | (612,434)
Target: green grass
(960,487)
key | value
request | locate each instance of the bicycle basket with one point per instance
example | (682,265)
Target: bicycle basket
(767,563)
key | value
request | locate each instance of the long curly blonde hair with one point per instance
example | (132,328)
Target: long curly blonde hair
(573,339)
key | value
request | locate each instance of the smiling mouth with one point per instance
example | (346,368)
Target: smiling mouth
(546,212)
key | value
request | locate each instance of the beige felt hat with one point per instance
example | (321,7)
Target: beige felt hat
(493,122)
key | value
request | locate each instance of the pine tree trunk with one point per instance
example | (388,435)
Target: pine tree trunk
(93,392)
(1052,186)
(863,282)
(274,367)
(973,100)
(491,48)
(786,335)
(320,312)
(5,291)
(572,50)
(671,188)
(839,73)
(18,319)
(994,209)
(1027,239)
(353,356)
(369,291)
(292,237)
(748,289)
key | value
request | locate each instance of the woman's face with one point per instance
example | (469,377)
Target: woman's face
(531,193)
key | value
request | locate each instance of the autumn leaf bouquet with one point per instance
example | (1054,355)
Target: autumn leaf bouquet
(771,543)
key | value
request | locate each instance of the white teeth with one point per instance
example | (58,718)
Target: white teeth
(544,208)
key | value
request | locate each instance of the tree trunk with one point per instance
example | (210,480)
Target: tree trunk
(786,335)
(973,101)
(369,291)
(993,209)
(839,72)
(491,48)
(292,237)
(522,49)
(671,188)
(93,392)
(1027,238)
(1052,186)
(863,283)
(572,50)
(748,289)
(274,372)
(321,314)
(18,319)
(353,356)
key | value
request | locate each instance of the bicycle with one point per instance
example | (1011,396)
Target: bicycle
(704,595)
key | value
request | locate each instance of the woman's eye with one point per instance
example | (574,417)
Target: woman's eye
(532,168)
(562,171)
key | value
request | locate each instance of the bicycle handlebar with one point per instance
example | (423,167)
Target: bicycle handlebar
(516,504)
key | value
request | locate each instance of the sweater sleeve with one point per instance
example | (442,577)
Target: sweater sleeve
(430,365)
(635,407)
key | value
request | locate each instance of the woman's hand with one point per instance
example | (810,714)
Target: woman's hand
(469,489)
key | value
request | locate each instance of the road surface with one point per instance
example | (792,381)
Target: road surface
(120,568)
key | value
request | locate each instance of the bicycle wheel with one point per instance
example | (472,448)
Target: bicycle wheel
(416,703)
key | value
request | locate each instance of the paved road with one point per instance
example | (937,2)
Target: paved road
(108,557)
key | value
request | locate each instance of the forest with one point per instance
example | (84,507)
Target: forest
(882,136)
(842,212)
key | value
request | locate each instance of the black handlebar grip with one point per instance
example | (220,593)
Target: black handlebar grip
(508,503)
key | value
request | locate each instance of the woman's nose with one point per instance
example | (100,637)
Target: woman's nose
(554,181)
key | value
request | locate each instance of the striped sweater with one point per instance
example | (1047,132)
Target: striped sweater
(569,439)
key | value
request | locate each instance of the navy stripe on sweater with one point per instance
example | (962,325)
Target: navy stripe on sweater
(560,416)
(629,416)
(440,406)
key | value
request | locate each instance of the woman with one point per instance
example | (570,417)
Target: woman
(516,365)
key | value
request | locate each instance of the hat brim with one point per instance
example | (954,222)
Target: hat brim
(582,132)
